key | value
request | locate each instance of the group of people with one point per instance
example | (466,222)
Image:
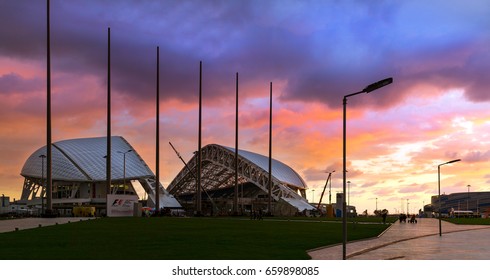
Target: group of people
(256,215)
(403,218)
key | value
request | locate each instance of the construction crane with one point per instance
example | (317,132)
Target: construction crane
(192,173)
(329,179)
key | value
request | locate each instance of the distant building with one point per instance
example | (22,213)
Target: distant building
(79,175)
(4,201)
(4,204)
(351,210)
(478,202)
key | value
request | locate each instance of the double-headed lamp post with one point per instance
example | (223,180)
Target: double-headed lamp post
(367,89)
(439,190)
(124,170)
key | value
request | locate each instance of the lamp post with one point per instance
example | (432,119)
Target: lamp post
(157,184)
(313,200)
(468,201)
(407,207)
(42,182)
(376,205)
(367,89)
(439,190)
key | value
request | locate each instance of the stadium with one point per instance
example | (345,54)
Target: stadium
(218,183)
(79,176)
(79,179)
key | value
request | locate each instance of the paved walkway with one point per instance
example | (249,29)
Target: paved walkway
(419,241)
(26,223)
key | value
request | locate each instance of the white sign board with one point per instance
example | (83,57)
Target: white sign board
(119,205)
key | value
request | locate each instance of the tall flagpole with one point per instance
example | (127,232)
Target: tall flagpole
(108,156)
(199,152)
(270,153)
(157,183)
(235,198)
(49,193)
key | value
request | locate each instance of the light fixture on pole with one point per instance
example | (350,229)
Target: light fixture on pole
(42,183)
(439,190)
(157,184)
(313,200)
(376,204)
(367,89)
(468,200)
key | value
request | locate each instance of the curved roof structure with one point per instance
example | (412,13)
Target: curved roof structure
(83,160)
(218,171)
(280,171)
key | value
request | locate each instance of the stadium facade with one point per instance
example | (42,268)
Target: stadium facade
(218,183)
(477,202)
(79,175)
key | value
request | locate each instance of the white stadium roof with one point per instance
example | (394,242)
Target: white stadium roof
(83,160)
(280,171)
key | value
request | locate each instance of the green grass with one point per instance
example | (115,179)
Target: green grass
(178,238)
(469,221)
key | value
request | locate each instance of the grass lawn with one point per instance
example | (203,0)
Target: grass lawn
(468,221)
(178,238)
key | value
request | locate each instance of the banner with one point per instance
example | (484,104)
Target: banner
(119,205)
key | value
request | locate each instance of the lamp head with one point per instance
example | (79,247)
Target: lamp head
(377,85)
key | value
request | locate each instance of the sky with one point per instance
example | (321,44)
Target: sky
(313,52)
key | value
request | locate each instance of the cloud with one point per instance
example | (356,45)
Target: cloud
(313,52)
(477,156)
(14,83)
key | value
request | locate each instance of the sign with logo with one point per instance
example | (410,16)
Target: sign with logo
(119,205)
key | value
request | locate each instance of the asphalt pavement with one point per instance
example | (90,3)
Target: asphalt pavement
(26,223)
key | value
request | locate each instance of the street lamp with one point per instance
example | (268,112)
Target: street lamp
(367,89)
(376,204)
(439,188)
(407,207)
(313,200)
(42,182)
(468,201)
(124,171)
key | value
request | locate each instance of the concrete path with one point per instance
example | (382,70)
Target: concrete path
(419,241)
(26,223)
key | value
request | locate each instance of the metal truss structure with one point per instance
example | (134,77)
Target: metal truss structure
(218,170)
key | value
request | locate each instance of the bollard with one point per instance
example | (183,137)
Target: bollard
(16,229)
(39,225)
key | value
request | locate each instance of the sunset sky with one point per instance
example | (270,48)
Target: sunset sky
(314,53)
